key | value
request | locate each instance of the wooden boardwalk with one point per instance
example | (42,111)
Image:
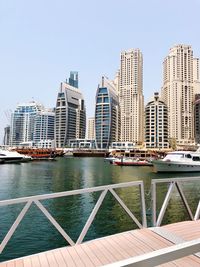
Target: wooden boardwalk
(117,247)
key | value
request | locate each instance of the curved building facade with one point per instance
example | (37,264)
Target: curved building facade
(70,115)
(106,115)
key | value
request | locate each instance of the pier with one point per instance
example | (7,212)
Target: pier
(176,244)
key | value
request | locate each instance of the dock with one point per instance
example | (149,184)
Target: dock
(176,244)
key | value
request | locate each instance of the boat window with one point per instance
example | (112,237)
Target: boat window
(188,156)
(195,158)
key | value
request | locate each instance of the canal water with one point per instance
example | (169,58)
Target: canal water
(36,234)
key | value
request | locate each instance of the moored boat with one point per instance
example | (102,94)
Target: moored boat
(10,156)
(178,161)
(132,162)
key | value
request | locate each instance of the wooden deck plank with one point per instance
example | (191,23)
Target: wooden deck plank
(35,261)
(100,252)
(67,257)
(126,245)
(111,249)
(51,259)
(10,264)
(43,260)
(59,258)
(19,263)
(77,260)
(84,257)
(94,259)
(27,262)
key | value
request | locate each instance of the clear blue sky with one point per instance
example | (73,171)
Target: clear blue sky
(41,41)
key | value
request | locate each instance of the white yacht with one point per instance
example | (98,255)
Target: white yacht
(178,161)
(10,156)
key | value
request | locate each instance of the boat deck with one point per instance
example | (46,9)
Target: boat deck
(117,247)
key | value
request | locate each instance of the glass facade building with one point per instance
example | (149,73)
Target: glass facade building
(106,115)
(22,123)
(44,126)
(70,115)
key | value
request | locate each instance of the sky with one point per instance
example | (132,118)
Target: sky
(41,41)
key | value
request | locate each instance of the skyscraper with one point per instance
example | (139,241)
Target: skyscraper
(91,128)
(156,123)
(73,79)
(22,123)
(179,87)
(131,96)
(106,114)
(44,126)
(70,117)
(197,118)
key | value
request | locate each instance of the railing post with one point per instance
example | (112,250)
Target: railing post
(153,195)
(142,199)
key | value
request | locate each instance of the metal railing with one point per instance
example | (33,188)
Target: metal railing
(161,256)
(173,183)
(103,189)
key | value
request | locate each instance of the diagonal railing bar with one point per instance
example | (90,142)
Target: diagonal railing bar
(165,203)
(54,222)
(126,208)
(38,198)
(91,217)
(182,195)
(14,226)
(196,216)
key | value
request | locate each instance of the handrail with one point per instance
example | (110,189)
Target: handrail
(103,189)
(160,256)
(173,183)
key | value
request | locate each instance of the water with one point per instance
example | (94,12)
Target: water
(36,234)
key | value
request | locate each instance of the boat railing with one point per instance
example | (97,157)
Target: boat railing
(28,201)
(173,183)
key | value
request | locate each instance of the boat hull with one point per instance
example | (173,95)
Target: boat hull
(165,166)
(136,163)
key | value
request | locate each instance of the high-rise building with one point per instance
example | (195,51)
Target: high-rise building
(22,123)
(70,115)
(131,96)
(197,118)
(91,128)
(6,138)
(106,114)
(196,76)
(73,79)
(156,123)
(44,126)
(180,83)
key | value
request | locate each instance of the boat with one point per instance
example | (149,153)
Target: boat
(132,162)
(178,161)
(38,153)
(7,156)
(110,159)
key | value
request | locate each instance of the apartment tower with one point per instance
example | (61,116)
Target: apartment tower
(91,128)
(180,84)
(70,115)
(22,123)
(106,114)
(131,97)
(156,123)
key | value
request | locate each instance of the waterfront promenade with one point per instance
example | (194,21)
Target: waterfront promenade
(175,244)
(153,245)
